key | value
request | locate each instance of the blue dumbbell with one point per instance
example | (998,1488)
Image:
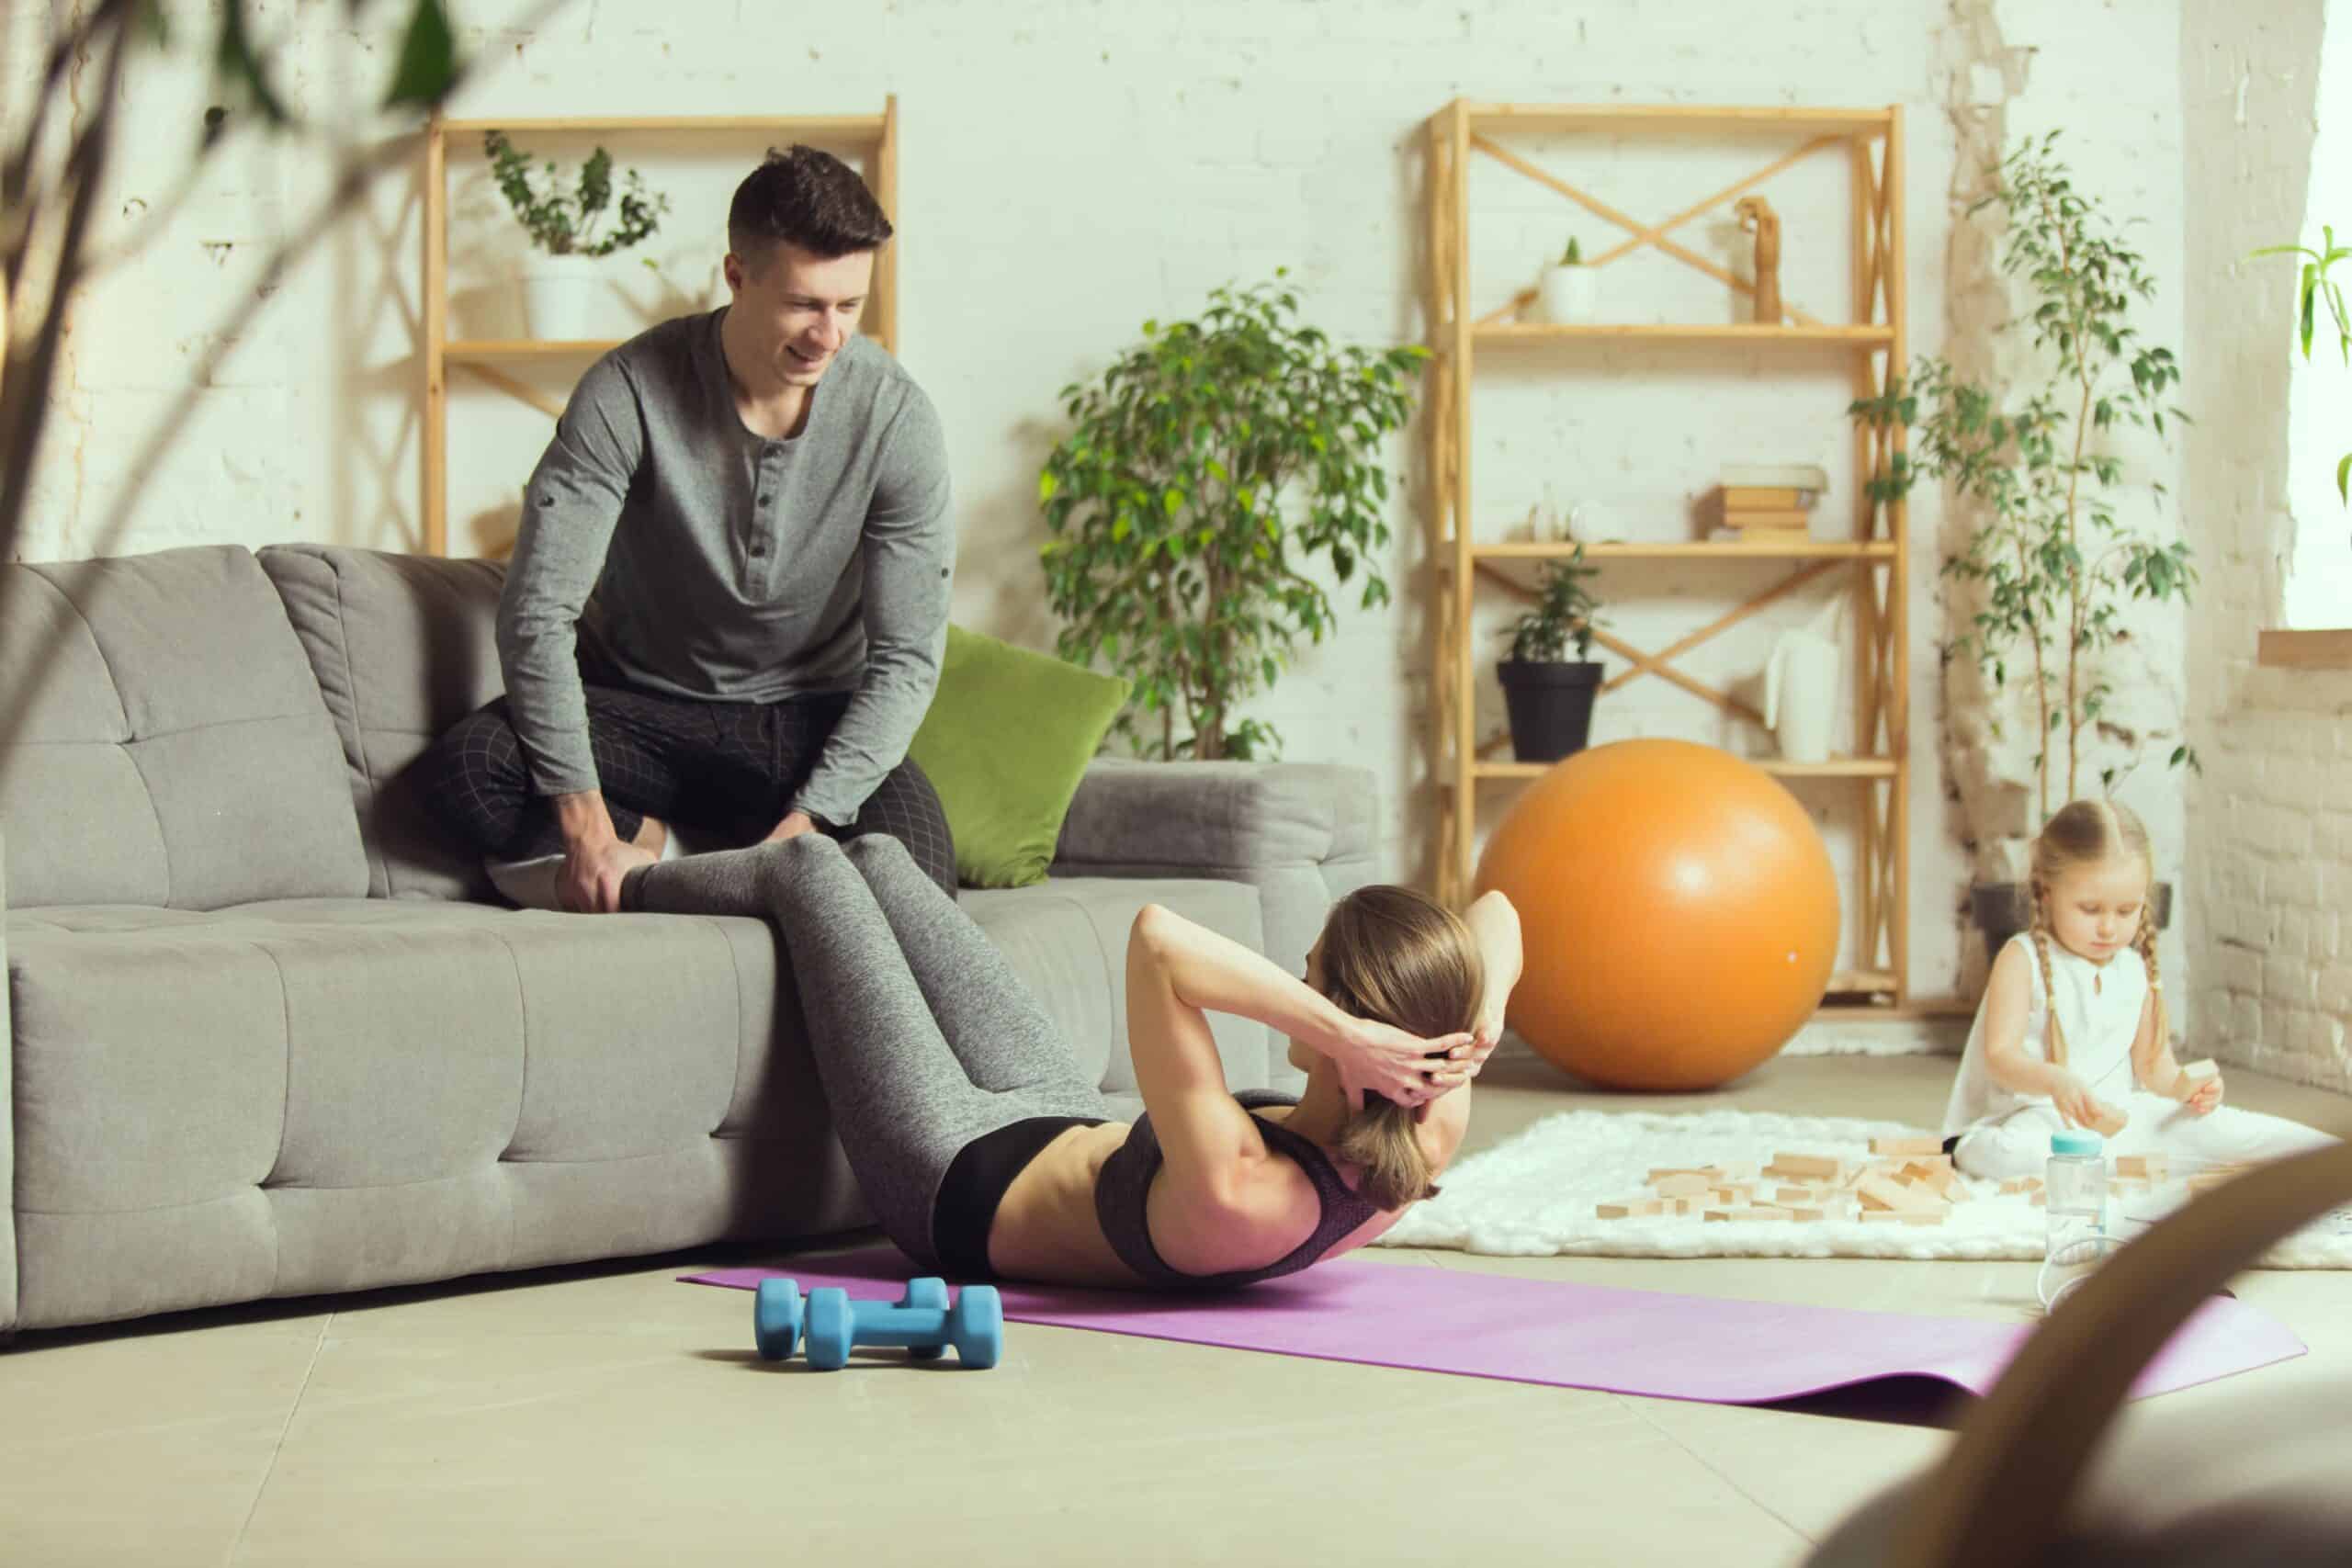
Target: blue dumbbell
(923,1321)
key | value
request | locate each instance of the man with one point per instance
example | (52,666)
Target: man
(728,600)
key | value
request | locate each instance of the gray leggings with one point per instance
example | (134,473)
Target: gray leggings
(923,1036)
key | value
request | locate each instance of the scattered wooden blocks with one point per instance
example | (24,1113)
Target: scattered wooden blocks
(1804,1168)
(1907,1145)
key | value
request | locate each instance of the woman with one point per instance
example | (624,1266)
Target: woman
(985,1151)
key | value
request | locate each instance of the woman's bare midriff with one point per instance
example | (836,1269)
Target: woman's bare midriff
(1047,1230)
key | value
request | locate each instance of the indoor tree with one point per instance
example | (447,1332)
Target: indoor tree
(2055,564)
(1209,467)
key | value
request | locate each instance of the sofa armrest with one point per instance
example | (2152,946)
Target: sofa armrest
(1300,833)
(8,1119)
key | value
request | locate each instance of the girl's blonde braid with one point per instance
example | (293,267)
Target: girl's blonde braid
(2056,1039)
(2143,941)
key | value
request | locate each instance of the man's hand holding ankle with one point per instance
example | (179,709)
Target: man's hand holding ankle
(595,860)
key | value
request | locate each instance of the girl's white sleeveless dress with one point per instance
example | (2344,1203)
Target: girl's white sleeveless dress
(2099,1007)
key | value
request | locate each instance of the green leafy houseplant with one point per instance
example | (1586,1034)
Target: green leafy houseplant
(564,221)
(1547,695)
(2315,286)
(2055,564)
(1210,466)
(1565,612)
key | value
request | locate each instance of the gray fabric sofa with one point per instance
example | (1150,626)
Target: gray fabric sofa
(269,1034)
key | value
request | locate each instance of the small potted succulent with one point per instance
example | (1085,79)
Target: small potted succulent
(562,282)
(1568,288)
(1547,693)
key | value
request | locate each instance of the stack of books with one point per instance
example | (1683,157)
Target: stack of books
(1767,503)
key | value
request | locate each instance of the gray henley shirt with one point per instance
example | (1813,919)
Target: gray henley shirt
(703,560)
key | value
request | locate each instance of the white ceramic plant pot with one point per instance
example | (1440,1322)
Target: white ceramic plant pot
(1568,294)
(560,296)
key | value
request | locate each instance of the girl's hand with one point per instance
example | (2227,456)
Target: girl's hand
(2205,1099)
(1379,1058)
(2072,1098)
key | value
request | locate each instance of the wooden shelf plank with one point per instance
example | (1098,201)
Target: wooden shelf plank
(836,127)
(1677,116)
(525,348)
(2287,649)
(1499,333)
(1694,549)
(1836,768)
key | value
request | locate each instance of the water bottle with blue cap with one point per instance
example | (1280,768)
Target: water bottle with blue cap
(2077,1180)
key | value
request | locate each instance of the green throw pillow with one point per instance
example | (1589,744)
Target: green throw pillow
(1005,743)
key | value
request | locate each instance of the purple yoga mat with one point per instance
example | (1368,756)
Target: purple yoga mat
(1570,1335)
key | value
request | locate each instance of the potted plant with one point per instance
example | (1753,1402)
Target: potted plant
(1210,467)
(2315,286)
(1547,695)
(1568,288)
(2053,564)
(560,283)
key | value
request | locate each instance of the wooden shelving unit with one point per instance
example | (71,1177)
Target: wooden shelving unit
(1875,556)
(872,136)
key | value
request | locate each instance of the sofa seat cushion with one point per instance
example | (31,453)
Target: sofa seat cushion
(292,1097)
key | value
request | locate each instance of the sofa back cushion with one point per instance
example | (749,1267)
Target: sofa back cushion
(402,648)
(175,751)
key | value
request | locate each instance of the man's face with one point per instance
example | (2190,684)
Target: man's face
(797,310)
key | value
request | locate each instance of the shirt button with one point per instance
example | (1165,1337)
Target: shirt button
(763,500)
(759,546)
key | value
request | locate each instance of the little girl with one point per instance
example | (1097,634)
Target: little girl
(2073,1032)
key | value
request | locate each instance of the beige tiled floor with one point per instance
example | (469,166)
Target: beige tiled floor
(612,1417)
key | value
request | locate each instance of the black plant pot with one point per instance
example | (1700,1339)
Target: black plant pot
(1550,706)
(2004,908)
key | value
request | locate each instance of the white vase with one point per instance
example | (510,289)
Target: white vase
(1568,294)
(560,296)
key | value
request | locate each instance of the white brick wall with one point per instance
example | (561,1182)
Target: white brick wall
(1073,166)
(2270,859)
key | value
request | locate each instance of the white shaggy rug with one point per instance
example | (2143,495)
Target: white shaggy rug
(1535,1196)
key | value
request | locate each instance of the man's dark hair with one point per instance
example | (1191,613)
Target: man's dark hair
(808,197)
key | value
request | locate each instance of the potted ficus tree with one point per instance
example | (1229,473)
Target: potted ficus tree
(1547,695)
(566,224)
(2052,561)
(1568,287)
(1211,469)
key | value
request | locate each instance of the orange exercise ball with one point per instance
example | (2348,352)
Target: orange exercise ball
(1678,910)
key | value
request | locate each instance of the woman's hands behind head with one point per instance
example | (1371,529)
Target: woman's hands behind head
(1380,1058)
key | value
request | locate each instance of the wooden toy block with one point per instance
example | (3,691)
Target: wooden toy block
(1878,1193)
(1937,1175)
(1806,1215)
(1803,1168)
(1733,1192)
(2022,1184)
(1714,1214)
(2144,1167)
(2040,1200)
(2197,1071)
(1907,1145)
(1787,1197)
(1632,1208)
(1710,1171)
(1687,1184)
(1905,1217)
